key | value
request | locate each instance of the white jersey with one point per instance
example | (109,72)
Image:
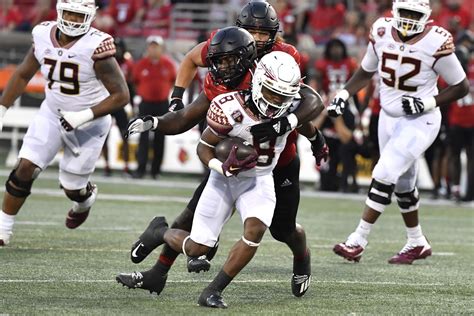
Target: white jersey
(411,67)
(229,116)
(72,83)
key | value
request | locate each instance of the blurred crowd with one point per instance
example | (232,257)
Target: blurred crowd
(333,25)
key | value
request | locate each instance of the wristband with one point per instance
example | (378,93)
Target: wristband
(293,120)
(216,165)
(155,123)
(343,94)
(429,103)
(84,117)
(177,92)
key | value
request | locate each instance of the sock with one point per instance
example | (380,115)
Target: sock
(364,228)
(6,222)
(220,282)
(415,235)
(301,265)
(166,260)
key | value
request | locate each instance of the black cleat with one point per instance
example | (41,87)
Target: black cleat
(151,238)
(211,299)
(198,264)
(301,278)
(136,280)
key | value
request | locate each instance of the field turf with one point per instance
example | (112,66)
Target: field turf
(48,269)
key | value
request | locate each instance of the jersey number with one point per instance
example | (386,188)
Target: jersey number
(400,83)
(72,79)
(266,152)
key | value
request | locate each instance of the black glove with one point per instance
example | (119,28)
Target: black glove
(176,105)
(336,107)
(264,132)
(319,148)
(412,105)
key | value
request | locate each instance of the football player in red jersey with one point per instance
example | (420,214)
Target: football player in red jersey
(259,18)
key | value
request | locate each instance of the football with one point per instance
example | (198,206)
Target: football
(244,148)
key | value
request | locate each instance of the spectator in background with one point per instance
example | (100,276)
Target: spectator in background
(154,76)
(452,16)
(44,10)
(10,16)
(157,17)
(324,19)
(331,73)
(127,13)
(125,61)
(461,119)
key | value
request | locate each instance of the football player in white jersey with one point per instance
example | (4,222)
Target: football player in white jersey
(409,55)
(85,84)
(247,184)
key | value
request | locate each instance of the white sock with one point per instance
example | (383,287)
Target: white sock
(364,228)
(6,222)
(415,235)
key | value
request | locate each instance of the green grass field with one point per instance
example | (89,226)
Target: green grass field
(48,269)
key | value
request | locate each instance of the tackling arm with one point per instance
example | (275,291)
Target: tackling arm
(205,148)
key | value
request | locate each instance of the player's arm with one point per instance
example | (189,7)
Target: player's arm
(360,79)
(17,83)
(205,148)
(318,142)
(108,72)
(186,72)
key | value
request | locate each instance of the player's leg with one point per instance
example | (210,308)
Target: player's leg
(75,169)
(40,144)
(284,227)
(256,205)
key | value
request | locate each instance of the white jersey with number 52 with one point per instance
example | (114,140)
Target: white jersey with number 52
(72,84)
(411,67)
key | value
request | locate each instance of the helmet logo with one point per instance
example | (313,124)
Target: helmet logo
(381,31)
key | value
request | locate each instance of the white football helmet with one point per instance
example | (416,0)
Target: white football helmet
(86,7)
(275,83)
(407,26)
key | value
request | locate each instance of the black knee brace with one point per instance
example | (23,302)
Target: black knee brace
(408,201)
(20,188)
(380,195)
(80,195)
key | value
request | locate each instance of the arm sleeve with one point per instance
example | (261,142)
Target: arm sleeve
(450,69)
(370,61)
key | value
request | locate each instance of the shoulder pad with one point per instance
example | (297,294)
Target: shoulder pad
(217,120)
(379,29)
(447,47)
(105,49)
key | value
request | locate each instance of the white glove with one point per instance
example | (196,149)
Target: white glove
(71,120)
(3,110)
(415,105)
(141,124)
(338,104)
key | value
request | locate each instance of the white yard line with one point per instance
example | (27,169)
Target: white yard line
(237,281)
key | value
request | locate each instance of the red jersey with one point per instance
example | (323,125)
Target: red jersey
(211,90)
(461,112)
(335,73)
(154,79)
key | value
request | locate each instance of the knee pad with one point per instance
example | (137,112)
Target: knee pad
(83,198)
(20,188)
(380,195)
(408,201)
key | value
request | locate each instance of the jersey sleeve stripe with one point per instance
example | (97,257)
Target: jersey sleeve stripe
(217,120)
(105,49)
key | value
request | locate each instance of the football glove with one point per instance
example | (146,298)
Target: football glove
(71,120)
(176,105)
(414,105)
(264,132)
(319,148)
(141,124)
(232,166)
(338,104)
(3,110)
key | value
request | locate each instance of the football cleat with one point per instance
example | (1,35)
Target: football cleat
(74,220)
(211,299)
(352,249)
(136,280)
(301,278)
(410,253)
(151,238)
(198,264)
